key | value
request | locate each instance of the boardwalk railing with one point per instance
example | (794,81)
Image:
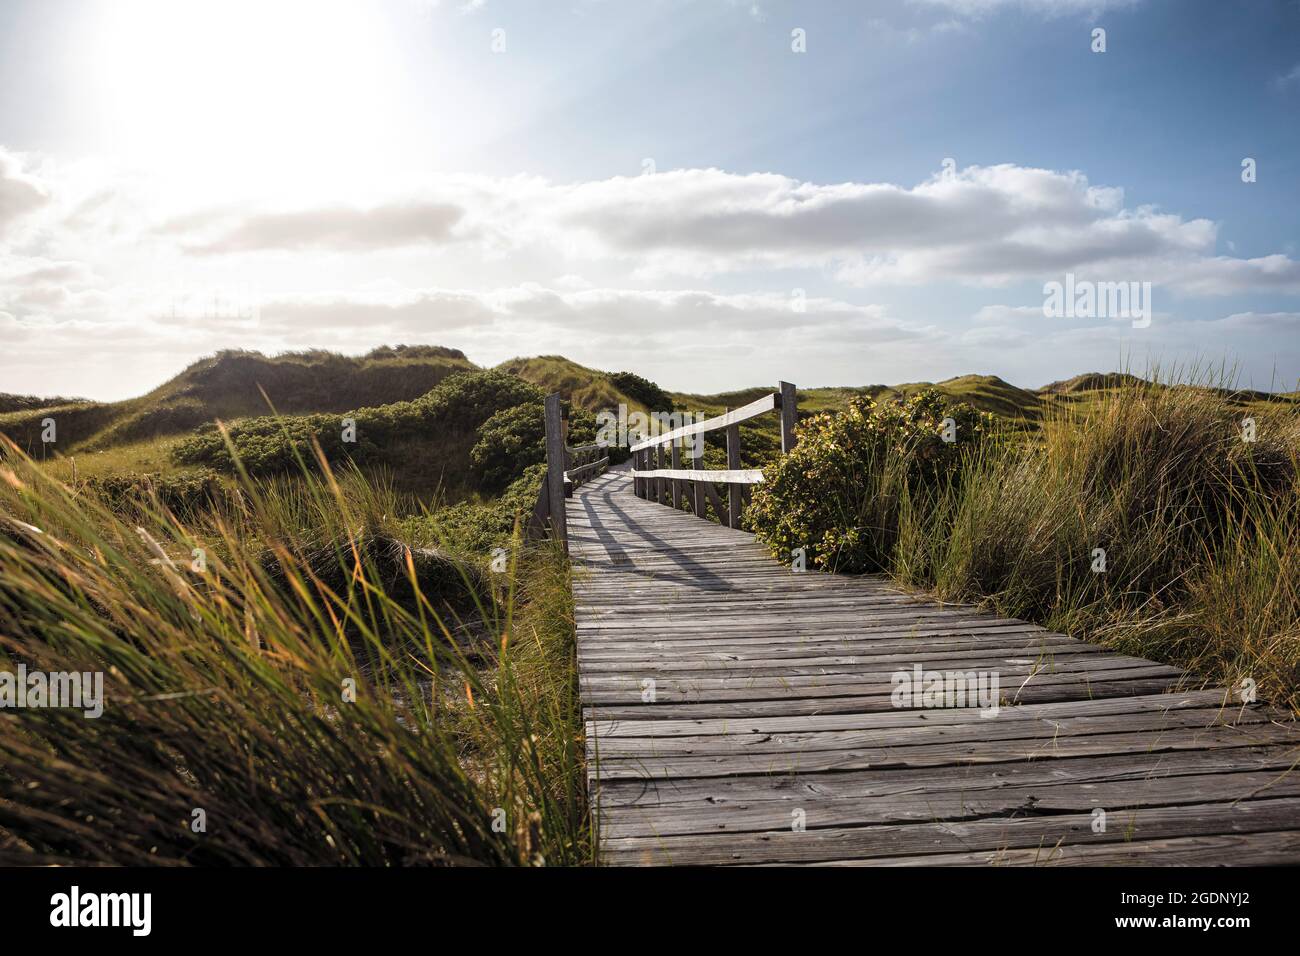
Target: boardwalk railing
(567,467)
(658,474)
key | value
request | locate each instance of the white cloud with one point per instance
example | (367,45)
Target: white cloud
(20,192)
(36,271)
(677,311)
(982,225)
(1286,323)
(995,314)
(1004,336)
(332,227)
(655,273)
(1223,274)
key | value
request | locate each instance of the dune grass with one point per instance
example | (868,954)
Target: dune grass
(1147,523)
(1143,520)
(279,662)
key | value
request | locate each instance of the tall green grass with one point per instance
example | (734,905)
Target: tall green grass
(228,686)
(1200,532)
(1200,528)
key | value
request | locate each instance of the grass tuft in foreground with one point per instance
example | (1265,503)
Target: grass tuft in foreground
(276,663)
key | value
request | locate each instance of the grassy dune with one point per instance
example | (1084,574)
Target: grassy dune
(232,385)
(586,387)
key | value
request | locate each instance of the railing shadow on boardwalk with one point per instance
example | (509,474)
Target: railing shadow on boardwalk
(694,573)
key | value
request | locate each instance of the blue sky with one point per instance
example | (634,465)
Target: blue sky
(662,186)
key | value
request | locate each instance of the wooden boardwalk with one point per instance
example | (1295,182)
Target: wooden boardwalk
(740,713)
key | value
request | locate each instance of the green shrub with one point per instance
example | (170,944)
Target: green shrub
(642,390)
(268,445)
(514,439)
(836,494)
(475,528)
(31,403)
(469,399)
(509,442)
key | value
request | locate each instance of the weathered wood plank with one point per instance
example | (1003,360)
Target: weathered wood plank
(886,782)
(981,658)
(736,709)
(951,804)
(598,689)
(970,732)
(1238,849)
(1161,703)
(939,754)
(835,843)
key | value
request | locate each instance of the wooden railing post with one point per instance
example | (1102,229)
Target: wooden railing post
(697,462)
(636,466)
(661,485)
(677,463)
(734,496)
(789,416)
(555,466)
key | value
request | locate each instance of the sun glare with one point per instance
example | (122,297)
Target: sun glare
(252,92)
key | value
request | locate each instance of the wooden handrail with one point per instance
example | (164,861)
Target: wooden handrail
(652,480)
(737,476)
(571,476)
(689,489)
(757,407)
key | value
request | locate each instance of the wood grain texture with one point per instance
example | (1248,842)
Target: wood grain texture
(740,712)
